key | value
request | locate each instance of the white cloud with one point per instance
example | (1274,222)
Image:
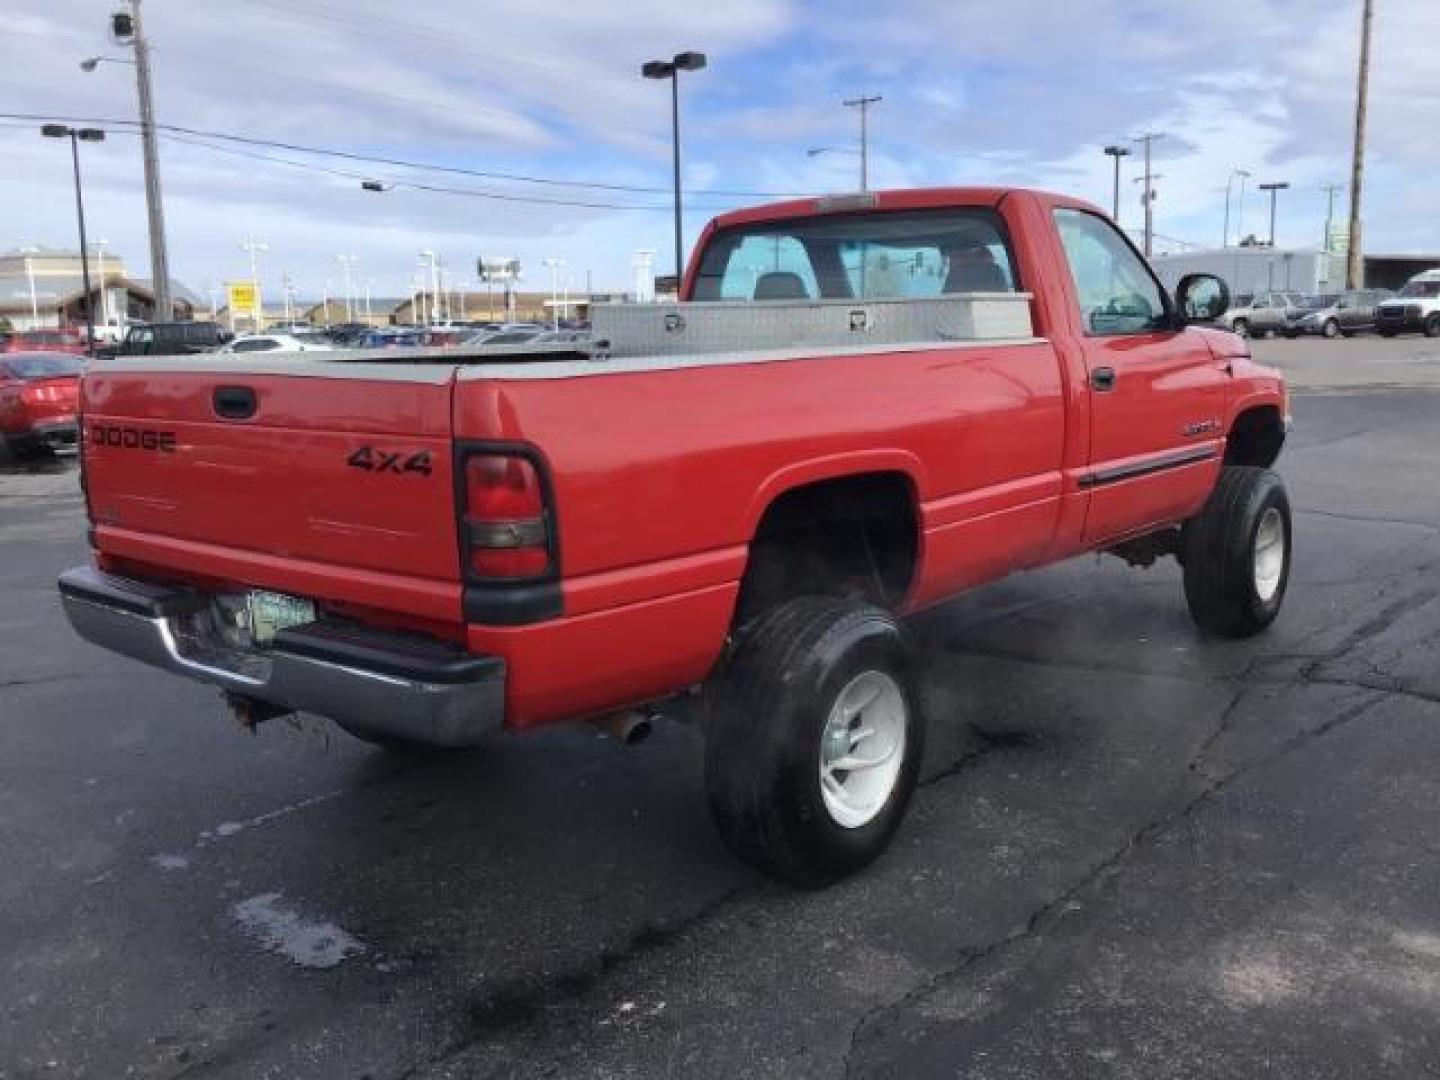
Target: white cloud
(1024,92)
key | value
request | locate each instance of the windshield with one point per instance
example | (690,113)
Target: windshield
(851,256)
(1421,289)
(43,365)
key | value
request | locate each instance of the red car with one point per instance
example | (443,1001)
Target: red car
(861,406)
(65,340)
(39,397)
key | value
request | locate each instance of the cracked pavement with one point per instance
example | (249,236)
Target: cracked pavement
(1136,853)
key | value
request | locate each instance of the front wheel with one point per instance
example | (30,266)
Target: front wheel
(1241,327)
(1331,329)
(1432,326)
(813,740)
(1237,553)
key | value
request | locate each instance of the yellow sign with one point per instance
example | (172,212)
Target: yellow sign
(242,298)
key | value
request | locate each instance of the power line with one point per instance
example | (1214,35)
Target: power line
(455,170)
(477,193)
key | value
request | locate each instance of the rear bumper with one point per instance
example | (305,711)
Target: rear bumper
(1409,321)
(387,684)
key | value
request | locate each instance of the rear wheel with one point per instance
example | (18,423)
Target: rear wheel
(1432,326)
(1237,553)
(813,741)
(1241,327)
(1331,329)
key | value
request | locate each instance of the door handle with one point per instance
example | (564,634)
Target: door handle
(1102,379)
(234,402)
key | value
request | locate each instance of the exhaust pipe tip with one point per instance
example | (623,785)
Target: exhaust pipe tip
(627,728)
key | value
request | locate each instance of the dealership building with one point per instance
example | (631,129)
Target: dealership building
(43,288)
(1257,268)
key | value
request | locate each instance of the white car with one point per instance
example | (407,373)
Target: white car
(279,343)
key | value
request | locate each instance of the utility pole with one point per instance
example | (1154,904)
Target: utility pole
(255,248)
(1355,261)
(863,103)
(159,261)
(1331,190)
(1117,152)
(1147,140)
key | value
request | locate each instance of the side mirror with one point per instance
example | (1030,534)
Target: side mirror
(1201,298)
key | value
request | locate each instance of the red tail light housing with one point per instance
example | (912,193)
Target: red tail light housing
(507,529)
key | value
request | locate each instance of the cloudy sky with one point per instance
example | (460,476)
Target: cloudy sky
(995,91)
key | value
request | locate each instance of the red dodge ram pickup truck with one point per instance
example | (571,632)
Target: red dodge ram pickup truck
(861,406)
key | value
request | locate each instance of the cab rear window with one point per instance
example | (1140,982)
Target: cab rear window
(889,255)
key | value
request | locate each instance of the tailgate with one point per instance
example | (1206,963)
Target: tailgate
(320,478)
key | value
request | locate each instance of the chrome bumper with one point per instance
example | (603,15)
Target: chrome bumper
(395,685)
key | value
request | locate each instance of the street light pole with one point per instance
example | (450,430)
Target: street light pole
(863,103)
(1273,189)
(670,69)
(554,266)
(348,262)
(76,136)
(1225,240)
(1355,260)
(255,248)
(1117,152)
(1331,190)
(104,296)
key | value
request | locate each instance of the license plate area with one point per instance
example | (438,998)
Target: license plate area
(267,613)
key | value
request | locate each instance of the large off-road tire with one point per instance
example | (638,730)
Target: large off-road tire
(813,684)
(1237,553)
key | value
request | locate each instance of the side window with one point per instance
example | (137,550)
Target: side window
(142,341)
(257,345)
(1117,293)
(773,267)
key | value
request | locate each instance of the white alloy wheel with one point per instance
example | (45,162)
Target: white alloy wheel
(1269,554)
(862,748)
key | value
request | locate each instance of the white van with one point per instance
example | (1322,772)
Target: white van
(1415,307)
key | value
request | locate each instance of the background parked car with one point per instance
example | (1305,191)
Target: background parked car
(1337,314)
(392,337)
(1267,313)
(312,341)
(170,339)
(39,396)
(65,340)
(504,337)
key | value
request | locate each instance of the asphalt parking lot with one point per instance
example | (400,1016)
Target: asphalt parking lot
(1137,853)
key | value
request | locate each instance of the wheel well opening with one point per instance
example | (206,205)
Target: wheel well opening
(852,536)
(1256,437)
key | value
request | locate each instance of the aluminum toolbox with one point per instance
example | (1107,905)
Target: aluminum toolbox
(732,326)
